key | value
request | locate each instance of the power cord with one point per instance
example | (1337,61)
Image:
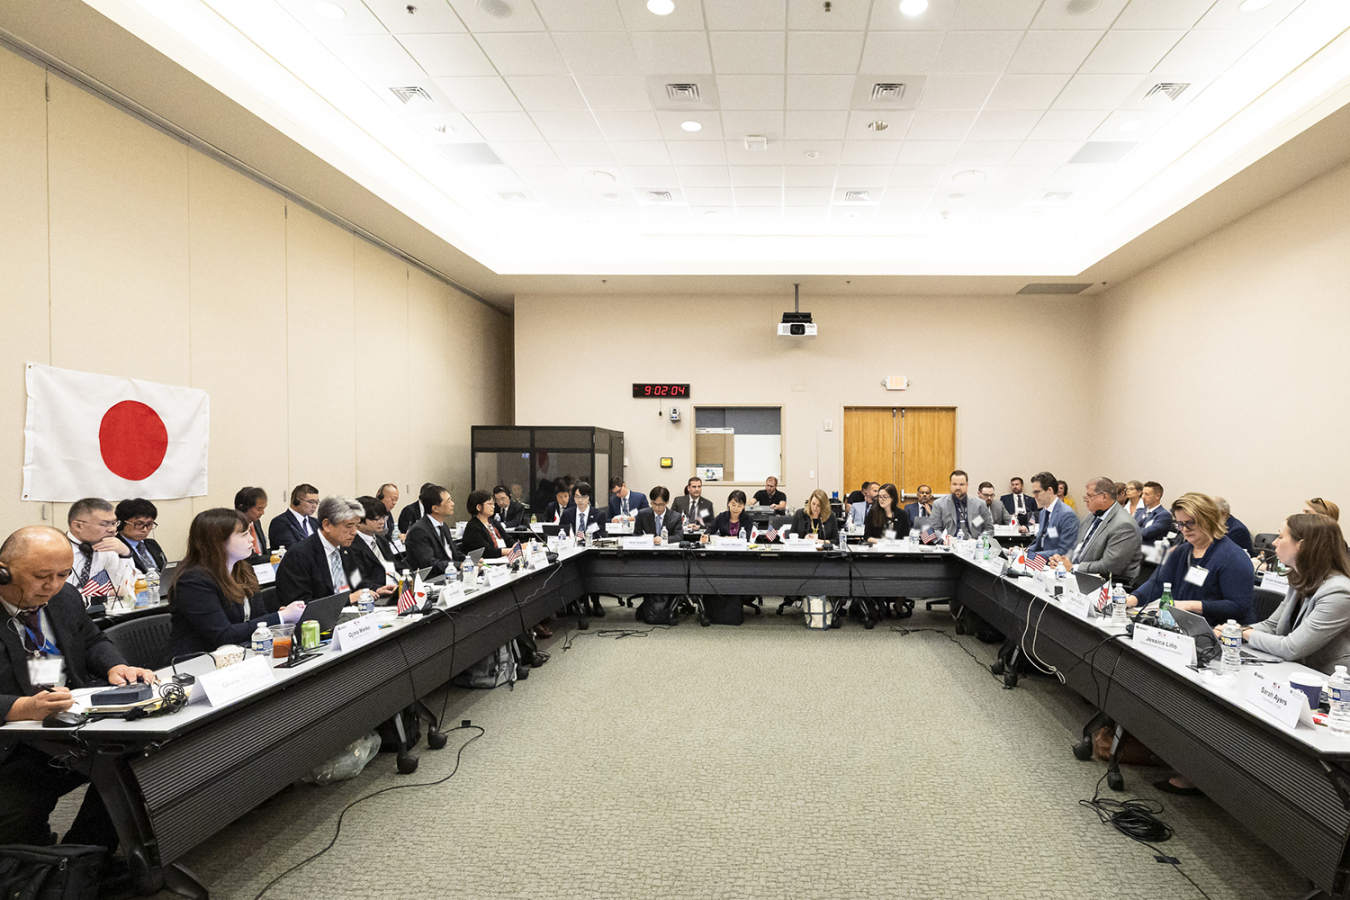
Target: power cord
(902,631)
(396,787)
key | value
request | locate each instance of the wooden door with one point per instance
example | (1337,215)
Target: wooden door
(871,448)
(927,448)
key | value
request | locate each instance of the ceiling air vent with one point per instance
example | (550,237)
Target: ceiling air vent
(408,94)
(1056,196)
(856,196)
(1053,288)
(887,91)
(659,196)
(512,196)
(1173,89)
(685,93)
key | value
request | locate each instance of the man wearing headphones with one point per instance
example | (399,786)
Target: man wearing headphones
(50,645)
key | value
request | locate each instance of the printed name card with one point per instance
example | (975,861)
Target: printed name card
(266,574)
(452,594)
(497,576)
(645,542)
(239,680)
(1273,582)
(618,528)
(1005,531)
(1281,701)
(538,559)
(1165,646)
(1079,605)
(731,543)
(808,546)
(350,635)
(890,545)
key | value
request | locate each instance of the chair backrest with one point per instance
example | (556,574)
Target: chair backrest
(1266,602)
(142,641)
(782,523)
(264,601)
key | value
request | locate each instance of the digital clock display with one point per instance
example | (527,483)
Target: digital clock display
(660,390)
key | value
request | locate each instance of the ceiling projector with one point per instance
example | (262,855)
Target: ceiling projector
(796,324)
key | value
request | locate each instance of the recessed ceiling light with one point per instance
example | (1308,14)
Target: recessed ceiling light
(610,197)
(711,213)
(1253,5)
(878,125)
(913,7)
(956,196)
(1079,7)
(498,9)
(969,176)
(691,126)
(661,7)
(598,176)
(813,154)
(1130,125)
(329,10)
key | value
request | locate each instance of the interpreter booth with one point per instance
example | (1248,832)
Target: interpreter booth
(531,460)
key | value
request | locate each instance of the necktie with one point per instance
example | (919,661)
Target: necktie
(1041,532)
(145,557)
(335,567)
(32,632)
(445,536)
(625,506)
(1092,529)
(304,525)
(88,564)
(581,521)
(253,534)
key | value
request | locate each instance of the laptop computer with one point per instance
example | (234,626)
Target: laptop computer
(326,611)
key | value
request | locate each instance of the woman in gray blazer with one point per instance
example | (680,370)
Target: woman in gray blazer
(1312,624)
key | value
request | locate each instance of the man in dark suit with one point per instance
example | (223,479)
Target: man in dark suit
(412,512)
(655,517)
(1057,532)
(252,502)
(693,506)
(623,503)
(136,520)
(857,496)
(922,507)
(562,499)
(1019,505)
(510,513)
(322,565)
(429,540)
(48,633)
(1155,522)
(1237,532)
(375,566)
(388,496)
(297,523)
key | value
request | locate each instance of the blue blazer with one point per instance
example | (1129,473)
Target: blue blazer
(1228,589)
(1153,527)
(1027,500)
(636,501)
(284,531)
(1238,534)
(1064,522)
(915,512)
(201,619)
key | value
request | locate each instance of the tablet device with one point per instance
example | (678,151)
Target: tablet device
(1088,584)
(326,611)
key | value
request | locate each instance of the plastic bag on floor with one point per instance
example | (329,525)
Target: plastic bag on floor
(347,764)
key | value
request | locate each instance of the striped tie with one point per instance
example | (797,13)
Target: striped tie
(335,567)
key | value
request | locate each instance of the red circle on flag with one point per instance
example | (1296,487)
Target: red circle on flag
(133,440)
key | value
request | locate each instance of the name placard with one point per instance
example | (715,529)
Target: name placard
(350,635)
(538,559)
(731,543)
(1284,703)
(890,545)
(452,594)
(808,546)
(1005,531)
(1079,605)
(644,542)
(1165,646)
(1273,582)
(239,680)
(266,574)
(497,576)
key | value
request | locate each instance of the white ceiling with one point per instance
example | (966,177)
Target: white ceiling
(1026,140)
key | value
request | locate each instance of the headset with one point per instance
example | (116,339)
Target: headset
(5,576)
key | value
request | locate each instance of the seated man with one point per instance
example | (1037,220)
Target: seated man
(388,495)
(137,518)
(1237,532)
(693,507)
(857,512)
(429,540)
(623,503)
(1019,505)
(297,523)
(857,496)
(996,510)
(52,647)
(322,564)
(657,517)
(1111,546)
(510,513)
(412,512)
(562,499)
(376,564)
(99,557)
(1057,531)
(1155,522)
(771,496)
(922,507)
(252,502)
(958,513)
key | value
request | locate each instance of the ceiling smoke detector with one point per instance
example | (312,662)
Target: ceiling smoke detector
(498,9)
(683,93)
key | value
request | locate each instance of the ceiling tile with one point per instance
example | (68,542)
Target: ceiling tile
(430,18)
(1104,92)
(1059,16)
(1208,52)
(671,127)
(886,16)
(823,52)
(651,176)
(756,176)
(956,91)
(737,155)
(807,196)
(664,52)
(985,153)
(567,126)
(1053,52)
(1021,176)
(698,153)
(1138,125)
(1004,125)
(927,153)
(380,58)
(976,51)
(861,125)
(1162,13)
(901,51)
(1133,52)
(810,15)
(1067,125)
(994,14)
(1026,91)
(1006,196)
(747,15)
(358,20)
(580,15)
(551,176)
(870,153)
(748,52)
(479,94)
(496,177)
(1077,177)
(547,92)
(809,176)
(863,175)
(1227,14)
(522,17)
(598,53)
(640,153)
(940,125)
(751,91)
(593,178)
(526,153)
(688,16)
(916,176)
(737,124)
(456,128)
(628,125)
(471,154)
(1044,153)
(913,197)
(819,91)
(583,153)
(827,153)
(529,53)
(615,91)
(825,125)
(505,126)
(703,176)
(708,196)
(564,196)
(758,196)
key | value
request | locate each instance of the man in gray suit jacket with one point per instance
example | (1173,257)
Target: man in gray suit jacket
(857,512)
(996,510)
(957,512)
(696,510)
(1111,544)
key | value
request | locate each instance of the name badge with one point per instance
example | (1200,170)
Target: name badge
(1284,703)
(1196,575)
(350,635)
(47,671)
(501,544)
(1165,646)
(977,521)
(239,680)
(1052,532)
(266,574)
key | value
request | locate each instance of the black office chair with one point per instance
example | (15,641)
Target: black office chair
(1266,603)
(1263,547)
(142,641)
(265,601)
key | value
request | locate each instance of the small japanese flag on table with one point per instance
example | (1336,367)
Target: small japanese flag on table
(99,436)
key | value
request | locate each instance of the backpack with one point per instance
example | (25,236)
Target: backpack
(726,609)
(657,609)
(493,670)
(60,872)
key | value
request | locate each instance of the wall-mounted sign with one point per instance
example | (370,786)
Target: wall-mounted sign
(667,462)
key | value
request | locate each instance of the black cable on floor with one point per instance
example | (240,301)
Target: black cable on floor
(902,630)
(394,787)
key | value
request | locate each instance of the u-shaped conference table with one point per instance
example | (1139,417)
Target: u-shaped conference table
(171,782)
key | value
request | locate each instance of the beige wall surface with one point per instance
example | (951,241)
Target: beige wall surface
(956,352)
(1226,369)
(125,252)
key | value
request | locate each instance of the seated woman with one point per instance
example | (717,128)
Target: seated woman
(1209,574)
(886,521)
(736,523)
(480,532)
(209,603)
(1134,497)
(1319,507)
(1312,624)
(815,520)
(1062,492)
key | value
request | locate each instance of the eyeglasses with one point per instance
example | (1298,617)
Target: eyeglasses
(1185,526)
(141,524)
(102,523)
(1098,494)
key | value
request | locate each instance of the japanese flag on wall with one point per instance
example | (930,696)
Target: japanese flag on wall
(98,436)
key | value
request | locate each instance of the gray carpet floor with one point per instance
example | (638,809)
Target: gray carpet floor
(761,761)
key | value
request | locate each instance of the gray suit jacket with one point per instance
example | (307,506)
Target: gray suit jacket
(944,515)
(999,514)
(1115,548)
(857,512)
(1320,638)
(704,512)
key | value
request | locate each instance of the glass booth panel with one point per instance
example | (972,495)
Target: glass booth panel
(508,467)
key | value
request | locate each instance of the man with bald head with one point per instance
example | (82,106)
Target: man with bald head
(50,646)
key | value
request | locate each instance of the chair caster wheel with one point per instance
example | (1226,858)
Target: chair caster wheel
(1010,679)
(704,621)
(960,627)
(780,609)
(1083,749)
(407,764)
(582,625)
(436,739)
(1115,781)
(869,624)
(997,667)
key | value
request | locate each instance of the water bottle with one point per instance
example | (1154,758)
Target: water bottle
(152,586)
(1165,607)
(534,519)
(262,641)
(1118,614)
(366,602)
(913,538)
(960,535)
(664,535)
(985,547)
(1338,686)
(1061,573)
(1232,648)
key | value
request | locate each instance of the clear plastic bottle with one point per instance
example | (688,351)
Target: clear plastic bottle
(262,641)
(1165,607)
(152,586)
(665,536)
(1338,686)
(142,592)
(1231,662)
(366,602)
(1119,616)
